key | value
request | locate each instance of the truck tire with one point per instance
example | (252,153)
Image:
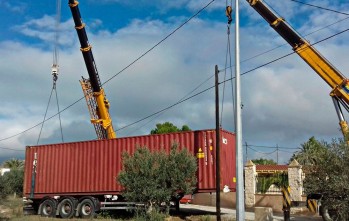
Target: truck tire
(66,208)
(48,208)
(87,209)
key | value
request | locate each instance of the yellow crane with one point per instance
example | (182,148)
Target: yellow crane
(97,102)
(334,78)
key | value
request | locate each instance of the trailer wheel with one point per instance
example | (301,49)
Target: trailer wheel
(48,208)
(66,208)
(87,209)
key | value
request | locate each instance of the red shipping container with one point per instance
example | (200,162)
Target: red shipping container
(91,167)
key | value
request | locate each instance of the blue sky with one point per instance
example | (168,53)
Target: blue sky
(285,103)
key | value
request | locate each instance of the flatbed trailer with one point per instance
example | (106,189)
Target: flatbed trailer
(79,178)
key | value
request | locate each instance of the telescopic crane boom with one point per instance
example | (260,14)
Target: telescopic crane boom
(334,78)
(97,102)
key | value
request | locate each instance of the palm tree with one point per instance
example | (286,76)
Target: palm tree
(14,164)
(308,152)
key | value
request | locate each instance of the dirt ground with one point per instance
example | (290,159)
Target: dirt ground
(11,210)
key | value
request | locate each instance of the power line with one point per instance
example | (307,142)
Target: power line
(260,66)
(157,44)
(42,122)
(323,8)
(161,41)
(295,148)
(175,104)
(5,148)
(265,153)
(184,97)
(253,69)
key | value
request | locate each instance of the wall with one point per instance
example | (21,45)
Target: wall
(228,200)
(269,200)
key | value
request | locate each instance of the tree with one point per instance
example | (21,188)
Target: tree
(155,178)
(262,161)
(2,188)
(13,182)
(264,182)
(327,175)
(307,155)
(14,164)
(168,127)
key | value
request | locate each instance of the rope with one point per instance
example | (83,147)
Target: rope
(55,60)
(228,57)
(59,115)
(58,18)
(42,125)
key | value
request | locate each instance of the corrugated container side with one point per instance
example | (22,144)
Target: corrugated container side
(91,167)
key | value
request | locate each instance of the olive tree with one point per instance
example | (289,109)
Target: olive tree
(12,182)
(327,175)
(156,178)
(168,127)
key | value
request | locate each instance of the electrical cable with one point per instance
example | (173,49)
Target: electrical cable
(323,8)
(310,33)
(260,151)
(175,104)
(274,147)
(286,151)
(251,70)
(47,119)
(5,148)
(188,94)
(161,41)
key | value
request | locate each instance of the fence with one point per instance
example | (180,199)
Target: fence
(271,183)
(265,180)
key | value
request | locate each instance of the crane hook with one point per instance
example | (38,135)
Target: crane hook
(54,71)
(228,11)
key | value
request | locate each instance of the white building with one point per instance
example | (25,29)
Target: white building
(4,170)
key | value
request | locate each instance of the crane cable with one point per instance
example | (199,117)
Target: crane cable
(54,71)
(247,72)
(228,12)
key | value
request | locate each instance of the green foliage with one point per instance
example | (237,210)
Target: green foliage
(278,179)
(168,127)
(262,161)
(155,177)
(154,215)
(2,188)
(14,164)
(12,182)
(327,174)
(309,152)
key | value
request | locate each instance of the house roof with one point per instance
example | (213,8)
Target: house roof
(271,168)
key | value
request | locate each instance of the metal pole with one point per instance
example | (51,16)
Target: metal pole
(218,164)
(277,154)
(240,197)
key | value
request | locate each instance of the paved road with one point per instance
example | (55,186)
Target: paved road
(208,210)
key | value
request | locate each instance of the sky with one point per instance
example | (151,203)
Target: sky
(284,103)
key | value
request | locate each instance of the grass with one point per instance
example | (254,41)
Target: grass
(11,209)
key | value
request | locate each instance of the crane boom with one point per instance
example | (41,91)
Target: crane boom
(94,93)
(334,78)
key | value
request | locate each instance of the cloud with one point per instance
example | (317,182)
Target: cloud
(283,103)
(44,29)
(164,6)
(14,7)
